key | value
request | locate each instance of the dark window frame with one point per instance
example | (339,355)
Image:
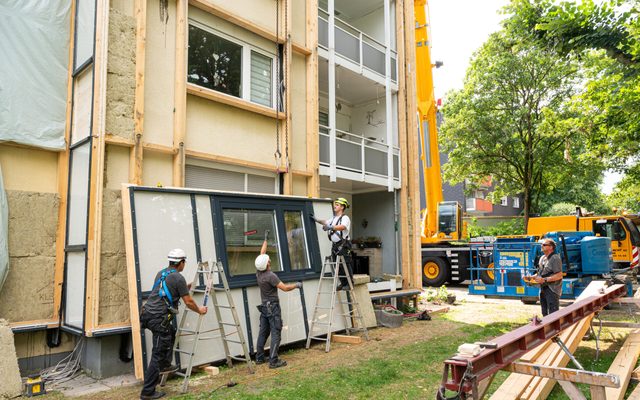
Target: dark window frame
(221,202)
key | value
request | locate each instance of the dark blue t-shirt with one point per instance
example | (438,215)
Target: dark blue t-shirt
(177,286)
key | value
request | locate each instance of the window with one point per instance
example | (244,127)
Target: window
(218,179)
(296,240)
(230,66)
(504,201)
(244,232)
(516,202)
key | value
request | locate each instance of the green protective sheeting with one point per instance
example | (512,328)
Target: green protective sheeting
(4,233)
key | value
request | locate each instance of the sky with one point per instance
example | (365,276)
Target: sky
(460,27)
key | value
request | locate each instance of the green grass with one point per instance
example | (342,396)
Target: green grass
(411,371)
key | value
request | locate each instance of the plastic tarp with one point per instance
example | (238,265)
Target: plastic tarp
(4,233)
(34,61)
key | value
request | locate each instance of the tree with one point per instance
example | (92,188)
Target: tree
(511,120)
(606,36)
(626,195)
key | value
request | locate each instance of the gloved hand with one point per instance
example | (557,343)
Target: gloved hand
(313,217)
(266,235)
(299,285)
(327,227)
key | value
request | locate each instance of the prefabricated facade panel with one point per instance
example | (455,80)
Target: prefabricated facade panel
(162,219)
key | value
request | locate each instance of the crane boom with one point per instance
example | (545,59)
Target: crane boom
(430,156)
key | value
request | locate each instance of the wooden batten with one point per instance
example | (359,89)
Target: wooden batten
(94,227)
(63,180)
(346,339)
(134,307)
(228,16)
(233,101)
(229,160)
(311,65)
(180,99)
(136,153)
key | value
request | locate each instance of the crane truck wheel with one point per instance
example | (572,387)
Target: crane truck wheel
(434,271)
(487,275)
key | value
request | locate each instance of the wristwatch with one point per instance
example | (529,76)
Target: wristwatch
(545,280)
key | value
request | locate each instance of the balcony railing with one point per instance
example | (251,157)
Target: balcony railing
(356,45)
(358,154)
(480,205)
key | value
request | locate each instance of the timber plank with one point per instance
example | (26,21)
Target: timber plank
(623,365)
(346,339)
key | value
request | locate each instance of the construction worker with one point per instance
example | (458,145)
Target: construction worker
(158,314)
(270,312)
(549,276)
(337,229)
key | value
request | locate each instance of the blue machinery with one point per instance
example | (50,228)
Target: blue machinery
(500,272)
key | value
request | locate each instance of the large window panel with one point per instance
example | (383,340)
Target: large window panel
(244,231)
(296,240)
(78,194)
(261,79)
(74,290)
(85,19)
(214,62)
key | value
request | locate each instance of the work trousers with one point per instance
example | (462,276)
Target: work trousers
(343,249)
(270,325)
(163,337)
(549,300)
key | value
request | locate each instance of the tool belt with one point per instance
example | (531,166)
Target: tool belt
(342,247)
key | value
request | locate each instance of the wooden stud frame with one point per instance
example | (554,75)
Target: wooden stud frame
(311,64)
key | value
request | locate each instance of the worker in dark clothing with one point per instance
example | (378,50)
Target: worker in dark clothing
(549,277)
(337,229)
(157,315)
(270,312)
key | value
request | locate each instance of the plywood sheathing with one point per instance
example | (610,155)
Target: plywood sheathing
(28,291)
(121,82)
(114,293)
(10,382)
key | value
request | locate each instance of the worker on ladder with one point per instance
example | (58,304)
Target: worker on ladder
(337,229)
(270,312)
(158,314)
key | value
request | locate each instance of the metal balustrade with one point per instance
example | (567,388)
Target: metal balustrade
(358,154)
(355,45)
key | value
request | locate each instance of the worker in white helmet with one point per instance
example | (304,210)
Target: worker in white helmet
(337,229)
(270,313)
(157,315)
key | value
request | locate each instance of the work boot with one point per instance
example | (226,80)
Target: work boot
(278,364)
(154,395)
(259,361)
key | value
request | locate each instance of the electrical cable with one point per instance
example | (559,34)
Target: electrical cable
(66,369)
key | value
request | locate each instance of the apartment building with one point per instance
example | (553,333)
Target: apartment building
(280,97)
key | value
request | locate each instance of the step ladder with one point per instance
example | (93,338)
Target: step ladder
(330,275)
(228,331)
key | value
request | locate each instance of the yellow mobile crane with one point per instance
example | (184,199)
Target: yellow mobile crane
(444,257)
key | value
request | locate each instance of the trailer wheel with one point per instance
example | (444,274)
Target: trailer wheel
(434,271)
(529,300)
(488,276)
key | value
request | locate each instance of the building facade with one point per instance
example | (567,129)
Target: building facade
(259,96)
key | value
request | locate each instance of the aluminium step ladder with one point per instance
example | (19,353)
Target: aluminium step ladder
(229,331)
(330,275)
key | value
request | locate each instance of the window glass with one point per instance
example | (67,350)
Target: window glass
(298,255)
(447,218)
(214,62)
(261,79)
(244,231)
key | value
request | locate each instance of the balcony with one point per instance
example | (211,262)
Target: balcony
(359,158)
(365,53)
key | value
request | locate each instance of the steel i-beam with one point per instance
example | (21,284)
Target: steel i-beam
(461,373)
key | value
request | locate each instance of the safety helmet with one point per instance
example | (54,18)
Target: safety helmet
(177,255)
(262,261)
(342,201)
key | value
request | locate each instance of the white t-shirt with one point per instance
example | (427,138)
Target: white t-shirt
(336,236)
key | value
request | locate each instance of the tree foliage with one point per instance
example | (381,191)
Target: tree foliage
(514,226)
(626,195)
(606,37)
(512,120)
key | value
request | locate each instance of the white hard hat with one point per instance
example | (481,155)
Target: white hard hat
(177,255)
(261,262)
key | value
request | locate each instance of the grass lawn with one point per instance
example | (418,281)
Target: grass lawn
(402,363)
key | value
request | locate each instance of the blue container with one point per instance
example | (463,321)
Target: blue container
(596,255)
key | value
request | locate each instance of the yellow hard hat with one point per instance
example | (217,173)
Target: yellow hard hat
(342,201)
